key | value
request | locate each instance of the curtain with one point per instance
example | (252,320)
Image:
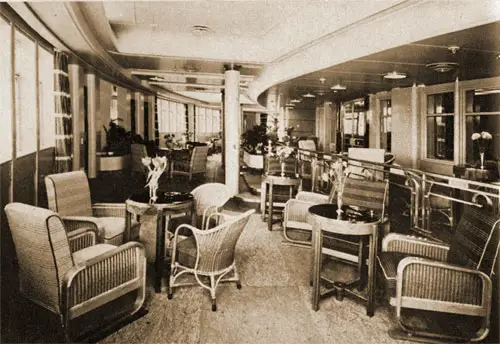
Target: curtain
(157,131)
(62,113)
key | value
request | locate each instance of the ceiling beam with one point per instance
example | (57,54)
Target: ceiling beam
(166,73)
(185,84)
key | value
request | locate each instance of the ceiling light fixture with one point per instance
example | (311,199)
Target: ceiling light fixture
(395,75)
(295,101)
(200,30)
(453,49)
(442,67)
(322,80)
(338,87)
(308,95)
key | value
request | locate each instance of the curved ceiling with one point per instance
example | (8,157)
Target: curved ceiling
(181,47)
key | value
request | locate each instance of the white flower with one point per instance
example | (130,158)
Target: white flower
(325,177)
(475,136)
(146,161)
(486,135)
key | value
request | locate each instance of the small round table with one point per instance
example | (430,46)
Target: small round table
(167,205)
(325,218)
(270,181)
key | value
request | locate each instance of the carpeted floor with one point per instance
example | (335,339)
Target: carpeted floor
(272,307)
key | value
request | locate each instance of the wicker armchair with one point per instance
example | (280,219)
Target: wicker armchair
(424,275)
(295,213)
(68,195)
(197,164)
(209,198)
(67,273)
(208,255)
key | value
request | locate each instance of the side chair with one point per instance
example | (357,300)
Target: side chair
(68,195)
(208,255)
(448,280)
(69,274)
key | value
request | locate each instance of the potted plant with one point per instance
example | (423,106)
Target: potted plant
(254,143)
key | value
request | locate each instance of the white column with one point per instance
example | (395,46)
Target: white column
(458,133)
(232,118)
(139,113)
(93,108)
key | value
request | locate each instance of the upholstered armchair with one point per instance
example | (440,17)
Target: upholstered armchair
(196,164)
(68,273)
(209,198)
(68,195)
(208,255)
(428,276)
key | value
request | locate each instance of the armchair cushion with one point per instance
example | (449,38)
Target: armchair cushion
(388,262)
(113,229)
(87,253)
(186,252)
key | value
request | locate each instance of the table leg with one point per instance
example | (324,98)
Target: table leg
(270,212)
(263,195)
(370,308)
(160,250)
(316,279)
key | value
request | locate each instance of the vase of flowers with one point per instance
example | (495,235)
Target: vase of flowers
(482,140)
(337,175)
(155,166)
(283,153)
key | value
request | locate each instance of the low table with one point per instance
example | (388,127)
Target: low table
(324,218)
(167,205)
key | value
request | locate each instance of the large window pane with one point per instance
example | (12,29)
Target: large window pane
(46,78)
(440,137)
(483,100)
(25,93)
(478,124)
(6,93)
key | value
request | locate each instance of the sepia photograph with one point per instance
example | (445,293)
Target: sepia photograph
(250,171)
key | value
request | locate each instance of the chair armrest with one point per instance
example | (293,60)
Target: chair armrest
(118,270)
(394,242)
(314,197)
(297,210)
(81,238)
(72,223)
(442,287)
(108,209)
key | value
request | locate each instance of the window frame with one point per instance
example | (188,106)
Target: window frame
(432,90)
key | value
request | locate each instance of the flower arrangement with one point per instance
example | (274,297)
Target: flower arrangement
(483,140)
(283,153)
(155,166)
(337,175)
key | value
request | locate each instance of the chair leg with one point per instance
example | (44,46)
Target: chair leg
(212,293)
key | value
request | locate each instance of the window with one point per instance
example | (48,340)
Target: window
(440,125)
(385,124)
(46,89)
(25,93)
(113,111)
(482,113)
(6,93)
(207,120)
(171,116)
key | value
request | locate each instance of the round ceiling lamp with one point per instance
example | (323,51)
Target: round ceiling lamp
(442,67)
(338,87)
(295,101)
(394,75)
(201,30)
(308,95)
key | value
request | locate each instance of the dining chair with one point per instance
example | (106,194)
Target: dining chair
(68,194)
(67,273)
(208,255)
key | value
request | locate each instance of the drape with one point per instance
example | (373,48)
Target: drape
(157,130)
(62,113)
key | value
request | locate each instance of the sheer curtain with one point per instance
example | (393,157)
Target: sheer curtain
(62,113)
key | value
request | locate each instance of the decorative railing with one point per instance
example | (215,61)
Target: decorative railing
(434,201)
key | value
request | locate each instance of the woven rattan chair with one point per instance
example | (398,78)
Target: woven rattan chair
(68,195)
(208,255)
(209,198)
(197,164)
(67,273)
(424,275)
(295,213)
